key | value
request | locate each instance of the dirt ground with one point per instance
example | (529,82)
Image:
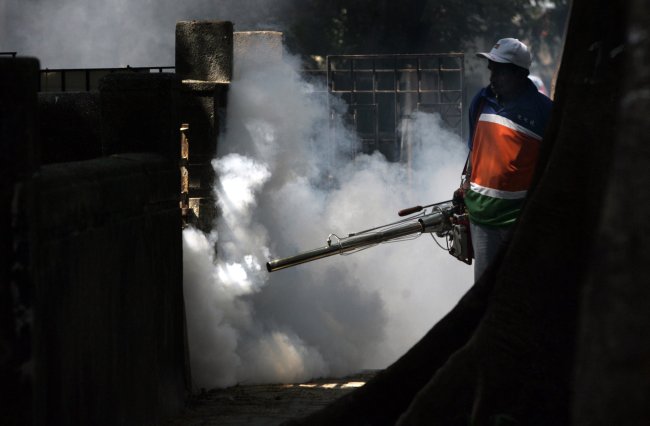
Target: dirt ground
(265,405)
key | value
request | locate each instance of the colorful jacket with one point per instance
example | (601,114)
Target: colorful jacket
(504,143)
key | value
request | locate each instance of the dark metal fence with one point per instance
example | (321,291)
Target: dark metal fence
(84,79)
(382,91)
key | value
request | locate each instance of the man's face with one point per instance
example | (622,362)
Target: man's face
(503,79)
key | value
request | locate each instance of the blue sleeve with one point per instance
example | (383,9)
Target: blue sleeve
(472,117)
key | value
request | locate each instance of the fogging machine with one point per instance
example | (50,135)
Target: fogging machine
(447,220)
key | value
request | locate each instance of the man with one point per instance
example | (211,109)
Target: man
(507,123)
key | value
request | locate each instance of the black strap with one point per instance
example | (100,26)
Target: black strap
(478,115)
(466,163)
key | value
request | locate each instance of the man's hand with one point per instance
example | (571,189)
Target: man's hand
(465,184)
(459,196)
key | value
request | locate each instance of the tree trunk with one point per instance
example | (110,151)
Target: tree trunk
(613,360)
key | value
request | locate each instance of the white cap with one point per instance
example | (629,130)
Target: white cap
(509,51)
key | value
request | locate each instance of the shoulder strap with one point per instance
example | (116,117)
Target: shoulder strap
(478,115)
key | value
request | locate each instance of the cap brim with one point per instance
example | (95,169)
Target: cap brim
(492,58)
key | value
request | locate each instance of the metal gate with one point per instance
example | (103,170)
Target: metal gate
(382,91)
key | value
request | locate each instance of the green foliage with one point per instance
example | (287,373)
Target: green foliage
(322,27)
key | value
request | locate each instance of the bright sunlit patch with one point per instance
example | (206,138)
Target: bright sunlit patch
(252,263)
(240,178)
(332,385)
(353,384)
(232,273)
(195,240)
(234,276)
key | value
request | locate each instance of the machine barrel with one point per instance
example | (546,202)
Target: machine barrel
(433,222)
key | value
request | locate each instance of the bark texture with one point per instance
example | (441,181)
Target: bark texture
(613,360)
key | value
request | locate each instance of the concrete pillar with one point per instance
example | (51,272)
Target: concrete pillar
(204,50)
(204,60)
(203,110)
(205,53)
(108,302)
(139,113)
(257,47)
(19,160)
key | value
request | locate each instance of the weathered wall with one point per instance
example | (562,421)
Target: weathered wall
(204,50)
(92,300)
(19,159)
(69,125)
(140,114)
(108,310)
(204,60)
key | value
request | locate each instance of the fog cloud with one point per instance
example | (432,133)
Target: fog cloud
(117,33)
(282,188)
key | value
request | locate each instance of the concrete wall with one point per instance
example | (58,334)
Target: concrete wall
(69,126)
(140,114)
(19,160)
(92,312)
(91,298)
(108,302)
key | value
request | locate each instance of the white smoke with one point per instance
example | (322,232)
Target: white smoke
(282,189)
(117,33)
